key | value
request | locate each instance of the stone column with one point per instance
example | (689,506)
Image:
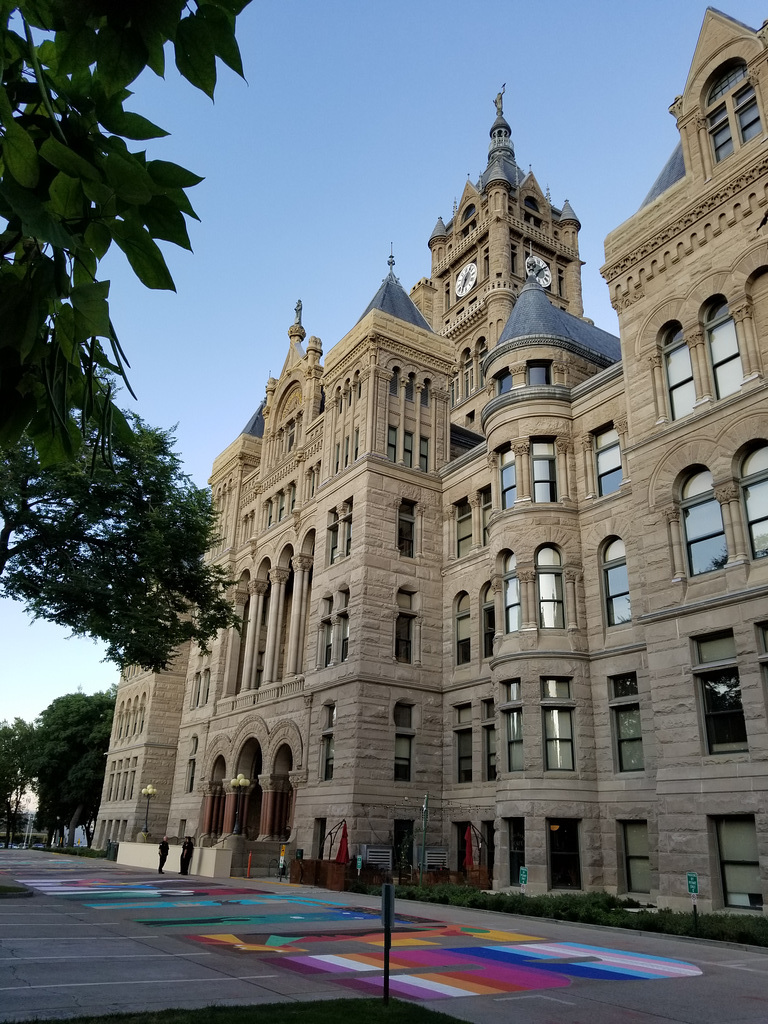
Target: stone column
(659,390)
(522,450)
(477,525)
(672,515)
(571,606)
(230,802)
(295,623)
(277,578)
(701,378)
(401,429)
(302,563)
(207,816)
(497,587)
(588,465)
(493,466)
(728,496)
(418,622)
(417,390)
(529,618)
(449,531)
(250,638)
(233,647)
(258,590)
(745,336)
(621,426)
(562,447)
(267,807)
(418,540)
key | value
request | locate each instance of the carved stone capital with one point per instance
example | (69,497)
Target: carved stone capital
(475,501)
(671,514)
(562,445)
(521,447)
(621,424)
(278,575)
(726,492)
(302,563)
(655,359)
(256,587)
(741,311)
(571,575)
(526,575)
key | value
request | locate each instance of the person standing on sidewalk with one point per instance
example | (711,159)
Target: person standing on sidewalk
(187,849)
(163,851)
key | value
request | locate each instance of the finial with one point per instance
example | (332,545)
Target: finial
(391,260)
(298,309)
(455,207)
(548,194)
(499,102)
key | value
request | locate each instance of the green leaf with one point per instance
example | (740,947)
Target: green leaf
(98,238)
(164,220)
(122,56)
(64,334)
(18,151)
(91,309)
(76,49)
(65,159)
(195,55)
(130,125)
(128,178)
(66,197)
(233,6)
(143,254)
(222,30)
(35,219)
(98,192)
(179,197)
(168,175)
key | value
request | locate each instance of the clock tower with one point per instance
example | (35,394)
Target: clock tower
(503,228)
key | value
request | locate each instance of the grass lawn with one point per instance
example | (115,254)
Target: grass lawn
(328,1011)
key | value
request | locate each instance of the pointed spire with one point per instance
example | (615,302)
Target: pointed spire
(391,298)
(567,213)
(501,153)
(439,230)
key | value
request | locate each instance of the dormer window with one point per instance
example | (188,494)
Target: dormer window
(469,212)
(736,118)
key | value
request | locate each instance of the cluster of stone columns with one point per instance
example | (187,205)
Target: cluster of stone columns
(273,592)
(220,810)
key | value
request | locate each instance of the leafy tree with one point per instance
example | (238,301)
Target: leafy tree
(114,552)
(70,185)
(16,769)
(72,738)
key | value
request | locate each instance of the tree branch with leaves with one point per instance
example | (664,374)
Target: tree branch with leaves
(72,184)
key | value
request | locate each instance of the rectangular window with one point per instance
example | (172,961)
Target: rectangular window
(514,739)
(629,738)
(508,479)
(327,643)
(516,849)
(721,694)
(328,744)
(463,528)
(489,742)
(739,863)
(489,626)
(333,538)
(464,754)
(337,460)
(344,631)
(404,627)
(539,373)
(346,451)
(357,441)
(637,861)
(556,688)
(558,734)
(190,787)
(747,114)
(608,458)
(564,860)
(720,133)
(408,449)
(406,526)
(424,454)
(402,758)
(544,471)
(392,444)
(682,391)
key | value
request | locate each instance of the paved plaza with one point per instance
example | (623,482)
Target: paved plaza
(97,937)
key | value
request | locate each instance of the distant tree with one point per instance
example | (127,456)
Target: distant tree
(113,552)
(71,184)
(72,738)
(17,758)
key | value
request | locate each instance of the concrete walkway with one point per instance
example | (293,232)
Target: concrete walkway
(100,938)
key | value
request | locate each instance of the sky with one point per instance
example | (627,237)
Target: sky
(356,128)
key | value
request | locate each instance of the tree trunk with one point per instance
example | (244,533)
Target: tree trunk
(73,825)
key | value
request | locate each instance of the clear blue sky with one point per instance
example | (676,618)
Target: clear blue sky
(357,127)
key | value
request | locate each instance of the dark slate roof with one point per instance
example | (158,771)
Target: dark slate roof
(567,213)
(391,298)
(534,315)
(462,440)
(672,171)
(438,230)
(255,425)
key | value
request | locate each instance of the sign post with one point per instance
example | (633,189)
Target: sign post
(282,860)
(523,880)
(359,864)
(693,890)
(387,919)
(424,820)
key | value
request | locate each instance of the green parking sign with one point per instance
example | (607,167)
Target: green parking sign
(693,883)
(523,876)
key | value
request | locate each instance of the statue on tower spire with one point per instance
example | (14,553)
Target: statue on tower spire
(499,102)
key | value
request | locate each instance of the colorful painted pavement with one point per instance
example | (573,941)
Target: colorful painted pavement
(486,963)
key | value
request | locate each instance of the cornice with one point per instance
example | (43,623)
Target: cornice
(687,219)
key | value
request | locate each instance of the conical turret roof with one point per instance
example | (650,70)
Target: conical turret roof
(392,298)
(534,315)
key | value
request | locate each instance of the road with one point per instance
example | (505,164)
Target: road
(96,937)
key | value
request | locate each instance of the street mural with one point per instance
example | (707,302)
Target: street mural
(489,963)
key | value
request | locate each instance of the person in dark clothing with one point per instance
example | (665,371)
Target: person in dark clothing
(186,854)
(163,851)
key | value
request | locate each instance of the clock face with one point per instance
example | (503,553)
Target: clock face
(539,269)
(465,282)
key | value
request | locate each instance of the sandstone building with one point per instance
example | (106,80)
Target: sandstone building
(490,553)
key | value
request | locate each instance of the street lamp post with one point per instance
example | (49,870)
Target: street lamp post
(149,791)
(238,785)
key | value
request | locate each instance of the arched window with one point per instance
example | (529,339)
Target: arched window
(394,384)
(549,581)
(723,349)
(512,610)
(489,620)
(616,583)
(463,641)
(482,352)
(677,364)
(736,117)
(754,483)
(703,525)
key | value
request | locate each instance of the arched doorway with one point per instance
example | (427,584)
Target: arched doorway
(249,764)
(283,793)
